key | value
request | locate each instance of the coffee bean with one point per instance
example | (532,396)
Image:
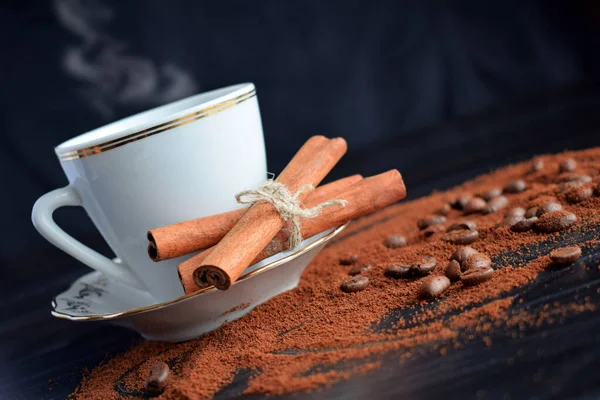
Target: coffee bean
(573,177)
(475,205)
(517,186)
(461,201)
(443,210)
(453,271)
(399,271)
(433,229)
(476,261)
(461,237)
(566,186)
(475,276)
(426,222)
(510,221)
(349,260)
(495,204)
(548,206)
(567,165)
(462,253)
(490,194)
(538,201)
(425,265)
(537,164)
(395,241)
(355,284)
(579,194)
(469,225)
(565,255)
(158,379)
(597,189)
(532,212)
(524,225)
(433,286)
(515,212)
(357,269)
(555,221)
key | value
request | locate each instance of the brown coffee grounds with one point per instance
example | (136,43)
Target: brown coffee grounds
(316,335)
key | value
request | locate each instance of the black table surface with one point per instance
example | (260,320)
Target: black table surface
(43,358)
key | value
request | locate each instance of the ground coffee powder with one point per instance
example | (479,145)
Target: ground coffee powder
(316,335)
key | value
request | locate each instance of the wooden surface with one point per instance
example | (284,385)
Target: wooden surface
(560,360)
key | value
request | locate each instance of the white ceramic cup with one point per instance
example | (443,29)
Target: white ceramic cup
(173,163)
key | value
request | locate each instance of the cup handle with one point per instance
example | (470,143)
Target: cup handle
(41,216)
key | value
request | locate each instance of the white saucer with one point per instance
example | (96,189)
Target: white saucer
(93,297)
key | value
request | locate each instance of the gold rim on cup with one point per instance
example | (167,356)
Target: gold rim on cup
(186,119)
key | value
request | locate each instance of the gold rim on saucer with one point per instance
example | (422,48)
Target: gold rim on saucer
(257,271)
(186,119)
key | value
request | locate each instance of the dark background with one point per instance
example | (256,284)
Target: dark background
(440,90)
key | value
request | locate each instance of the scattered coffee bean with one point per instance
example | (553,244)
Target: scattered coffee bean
(510,221)
(475,261)
(461,237)
(517,186)
(570,181)
(426,222)
(470,225)
(475,205)
(355,284)
(566,186)
(399,271)
(585,179)
(433,229)
(425,265)
(597,189)
(524,225)
(548,206)
(357,269)
(349,260)
(567,165)
(462,253)
(475,276)
(579,194)
(443,210)
(433,286)
(453,271)
(555,221)
(573,177)
(395,241)
(495,204)
(537,164)
(538,201)
(565,255)
(490,194)
(158,379)
(515,212)
(533,212)
(461,201)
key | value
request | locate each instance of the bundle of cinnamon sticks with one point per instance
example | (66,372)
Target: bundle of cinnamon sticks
(234,240)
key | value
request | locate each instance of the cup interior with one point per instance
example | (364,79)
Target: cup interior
(153,117)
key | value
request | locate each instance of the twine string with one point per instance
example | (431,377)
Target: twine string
(288,206)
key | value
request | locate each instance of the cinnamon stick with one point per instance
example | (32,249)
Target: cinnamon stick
(363,197)
(187,237)
(234,253)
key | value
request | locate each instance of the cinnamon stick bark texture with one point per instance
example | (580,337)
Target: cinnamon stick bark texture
(187,237)
(363,197)
(234,253)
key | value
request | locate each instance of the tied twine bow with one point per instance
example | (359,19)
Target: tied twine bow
(287,205)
